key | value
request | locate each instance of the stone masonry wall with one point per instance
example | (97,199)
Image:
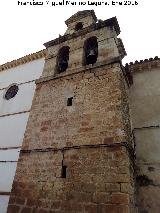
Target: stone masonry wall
(89,138)
(94,118)
(98,181)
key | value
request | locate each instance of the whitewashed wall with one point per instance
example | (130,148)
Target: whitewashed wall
(22,73)
(9,155)
(145,114)
(7,171)
(3,203)
(14,114)
(12,130)
(20,103)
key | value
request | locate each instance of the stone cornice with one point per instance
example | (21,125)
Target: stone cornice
(112,22)
(87,68)
(90,68)
(23,60)
(143,65)
(121,48)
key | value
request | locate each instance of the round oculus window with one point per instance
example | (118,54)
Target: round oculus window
(11,92)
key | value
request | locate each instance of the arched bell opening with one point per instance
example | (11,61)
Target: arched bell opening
(62,59)
(90,51)
(79,26)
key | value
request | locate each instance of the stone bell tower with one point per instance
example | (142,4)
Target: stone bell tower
(77,154)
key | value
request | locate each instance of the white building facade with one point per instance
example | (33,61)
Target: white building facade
(17,87)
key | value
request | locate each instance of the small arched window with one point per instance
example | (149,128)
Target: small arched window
(90,51)
(62,59)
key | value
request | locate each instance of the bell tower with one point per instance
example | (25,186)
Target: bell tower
(77,153)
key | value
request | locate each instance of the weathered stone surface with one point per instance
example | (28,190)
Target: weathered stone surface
(98,104)
(13,209)
(120,198)
(75,159)
(145,104)
(86,180)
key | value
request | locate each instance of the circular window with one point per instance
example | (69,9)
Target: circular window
(79,26)
(11,92)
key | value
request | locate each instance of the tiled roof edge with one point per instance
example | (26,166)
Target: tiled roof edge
(23,60)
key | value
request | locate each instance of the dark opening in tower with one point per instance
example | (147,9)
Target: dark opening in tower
(79,26)
(62,59)
(64,171)
(90,51)
(69,101)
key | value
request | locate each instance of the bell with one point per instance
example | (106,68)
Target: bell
(63,65)
(91,56)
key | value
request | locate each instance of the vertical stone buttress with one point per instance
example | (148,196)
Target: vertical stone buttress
(77,150)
